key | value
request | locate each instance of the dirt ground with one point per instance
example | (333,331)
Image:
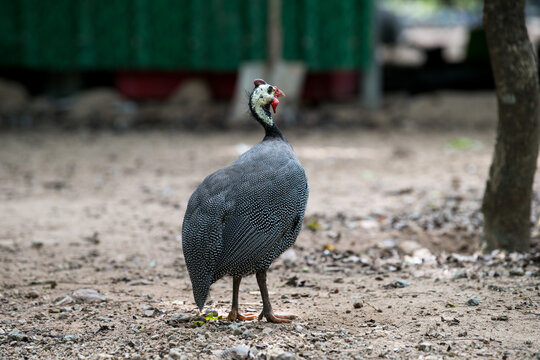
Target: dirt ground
(375,272)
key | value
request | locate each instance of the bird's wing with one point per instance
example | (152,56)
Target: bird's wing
(202,233)
(244,245)
(268,210)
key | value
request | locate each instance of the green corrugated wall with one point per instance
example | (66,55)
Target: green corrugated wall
(179,34)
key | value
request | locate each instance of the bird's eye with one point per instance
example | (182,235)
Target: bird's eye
(270,90)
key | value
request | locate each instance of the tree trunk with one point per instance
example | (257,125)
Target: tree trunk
(507,198)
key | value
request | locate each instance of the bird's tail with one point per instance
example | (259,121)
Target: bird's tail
(201,289)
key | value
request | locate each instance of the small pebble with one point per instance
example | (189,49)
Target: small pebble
(175,353)
(500,318)
(211,312)
(180,318)
(286,356)
(71,337)
(236,352)
(88,296)
(424,346)
(17,335)
(473,301)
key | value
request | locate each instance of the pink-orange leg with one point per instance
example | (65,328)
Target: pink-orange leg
(234,315)
(267,308)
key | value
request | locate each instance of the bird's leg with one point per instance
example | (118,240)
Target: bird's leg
(267,308)
(234,314)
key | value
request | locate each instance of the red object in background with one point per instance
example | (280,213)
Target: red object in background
(332,85)
(160,85)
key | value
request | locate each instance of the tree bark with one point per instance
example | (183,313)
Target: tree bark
(507,199)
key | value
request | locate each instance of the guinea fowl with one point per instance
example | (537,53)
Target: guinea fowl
(242,217)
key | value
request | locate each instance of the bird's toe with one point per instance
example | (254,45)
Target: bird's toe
(277,318)
(234,315)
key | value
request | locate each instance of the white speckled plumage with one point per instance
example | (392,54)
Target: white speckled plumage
(242,217)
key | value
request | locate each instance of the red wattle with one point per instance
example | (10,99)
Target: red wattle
(275,103)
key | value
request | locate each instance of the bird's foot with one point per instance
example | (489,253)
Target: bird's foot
(275,318)
(234,315)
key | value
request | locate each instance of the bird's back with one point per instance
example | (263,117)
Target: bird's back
(244,216)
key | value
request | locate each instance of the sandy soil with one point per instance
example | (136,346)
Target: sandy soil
(372,274)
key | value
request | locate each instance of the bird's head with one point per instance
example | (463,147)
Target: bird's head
(262,97)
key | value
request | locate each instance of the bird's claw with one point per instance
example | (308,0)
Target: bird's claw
(234,315)
(275,318)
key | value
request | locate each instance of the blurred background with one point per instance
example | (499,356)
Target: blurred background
(113,111)
(131,63)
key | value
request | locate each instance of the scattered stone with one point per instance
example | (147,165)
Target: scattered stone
(175,353)
(294,281)
(149,313)
(275,353)
(400,283)
(358,305)
(516,271)
(286,356)
(433,332)
(388,243)
(66,300)
(351,259)
(334,235)
(396,284)
(408,246)
(88,296)
(31,295)
(424,346)
(147,307)
(236,353)
(424,254)
(236,328)
(500,317)
(51,283)
(369,224)
(17,335)
(452,322)
(71,337)
(211,313)
(181,318)
(139,282)
(459,274)
(496,288)
(473,301)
